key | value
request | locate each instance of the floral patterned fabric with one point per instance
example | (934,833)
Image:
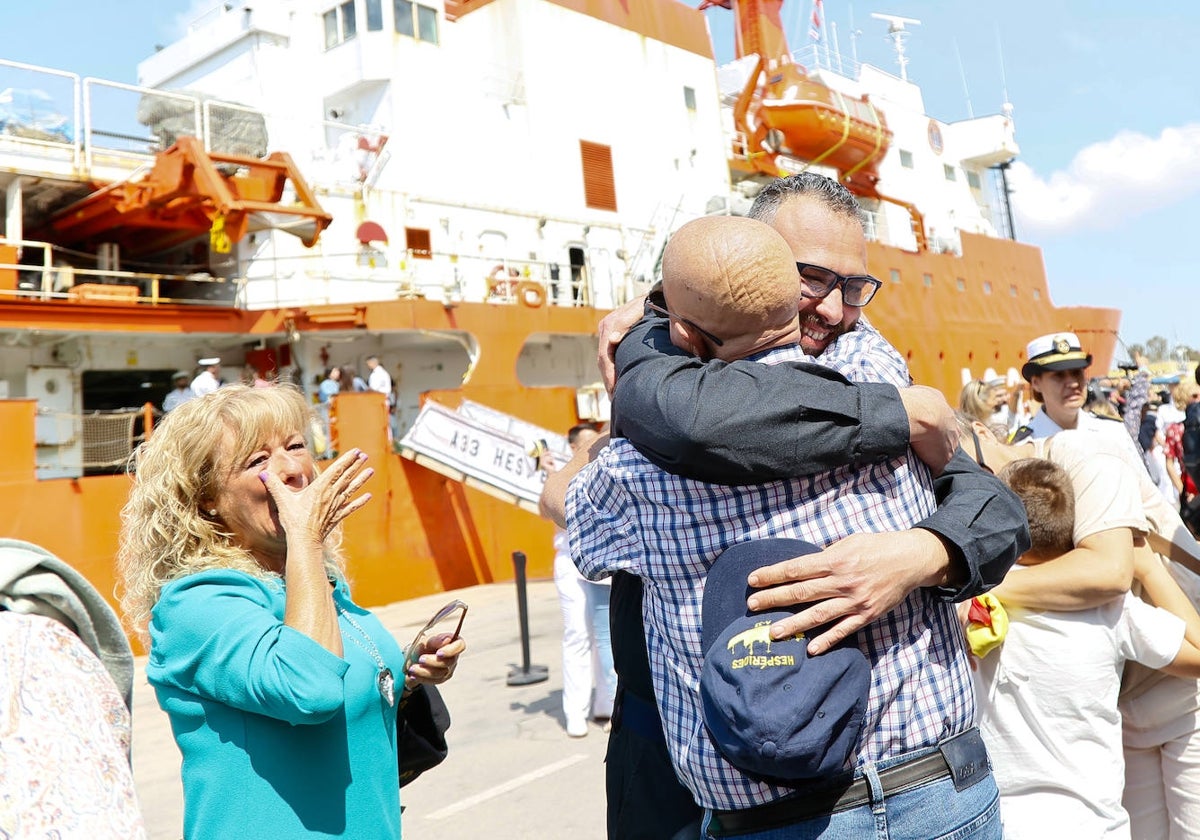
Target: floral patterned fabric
(65,736)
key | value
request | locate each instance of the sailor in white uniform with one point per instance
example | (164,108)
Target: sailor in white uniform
(206,381)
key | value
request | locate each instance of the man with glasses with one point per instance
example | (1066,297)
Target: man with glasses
(898,566)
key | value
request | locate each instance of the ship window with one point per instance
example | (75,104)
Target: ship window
(960,283)
(331,28)
(973,179)
(1012,291)
(417,242)
(895,275)
(427,28)
(927,279)
(906,159)
(340,24)
(950,175)
(415,20)
(374,15)
(1037,294)
(403,10)
(599,190)
(689,98)
(987,287)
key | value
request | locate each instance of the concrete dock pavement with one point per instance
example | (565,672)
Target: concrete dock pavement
(512,772)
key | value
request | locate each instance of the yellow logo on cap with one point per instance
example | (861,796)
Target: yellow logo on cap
(1061,345)
(759,633)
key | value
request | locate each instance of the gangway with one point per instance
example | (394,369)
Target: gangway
(484,449)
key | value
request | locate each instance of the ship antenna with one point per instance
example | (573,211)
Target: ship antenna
(962,71)
(854,33)
(897,33)
(1007,107)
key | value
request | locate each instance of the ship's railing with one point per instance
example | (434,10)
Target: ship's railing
(87,127)
(368,274)
(39,275)
(41,109)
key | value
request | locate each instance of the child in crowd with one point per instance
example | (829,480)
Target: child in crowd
(1048,696)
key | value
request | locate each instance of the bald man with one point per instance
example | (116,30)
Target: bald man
(730,287)
(731,291)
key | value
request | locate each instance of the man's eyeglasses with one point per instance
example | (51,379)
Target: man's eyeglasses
(668,314)
(979,453)
(817,282)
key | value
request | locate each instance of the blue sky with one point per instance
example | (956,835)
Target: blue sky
(1107,110)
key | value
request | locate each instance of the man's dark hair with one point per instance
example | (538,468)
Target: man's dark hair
(826,190)
(577,430)
(1045,489)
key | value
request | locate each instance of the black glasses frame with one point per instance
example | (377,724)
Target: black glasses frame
(666,313)
(979,453)
(864,285)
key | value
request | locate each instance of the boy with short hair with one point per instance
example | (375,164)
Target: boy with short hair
(1048,699)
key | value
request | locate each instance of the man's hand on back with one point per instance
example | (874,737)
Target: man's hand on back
(849,584)
(612,329)
(932,427)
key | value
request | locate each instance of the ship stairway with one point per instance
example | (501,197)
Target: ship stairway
(484,449)
(644,265)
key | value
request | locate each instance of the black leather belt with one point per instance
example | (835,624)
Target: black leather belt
(963,757)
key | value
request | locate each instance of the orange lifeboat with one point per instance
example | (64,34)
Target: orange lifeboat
(810,121)
(784,111)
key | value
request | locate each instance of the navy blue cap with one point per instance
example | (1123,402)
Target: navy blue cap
(772,710)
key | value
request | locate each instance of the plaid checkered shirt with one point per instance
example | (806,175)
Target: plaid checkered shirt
(624,513)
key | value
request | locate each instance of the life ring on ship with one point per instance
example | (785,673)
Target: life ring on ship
(531,294)
(502,282)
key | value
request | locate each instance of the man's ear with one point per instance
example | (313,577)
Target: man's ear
(688,340)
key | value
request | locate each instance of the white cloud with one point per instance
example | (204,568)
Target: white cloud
(1109,182)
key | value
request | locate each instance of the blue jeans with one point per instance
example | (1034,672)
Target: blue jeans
(933,811)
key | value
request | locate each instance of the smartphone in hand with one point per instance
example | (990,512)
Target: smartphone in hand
(447,621)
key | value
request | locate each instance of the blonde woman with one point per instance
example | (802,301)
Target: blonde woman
(280,689)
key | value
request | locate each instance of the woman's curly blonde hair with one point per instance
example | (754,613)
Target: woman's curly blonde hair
(166,533)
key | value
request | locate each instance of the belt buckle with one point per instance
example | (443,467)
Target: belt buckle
(967,758)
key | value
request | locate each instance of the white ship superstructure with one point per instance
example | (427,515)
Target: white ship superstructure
(524,135)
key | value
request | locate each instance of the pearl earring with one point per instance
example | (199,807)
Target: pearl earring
(212,511)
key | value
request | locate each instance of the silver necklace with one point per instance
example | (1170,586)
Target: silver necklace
(385,682)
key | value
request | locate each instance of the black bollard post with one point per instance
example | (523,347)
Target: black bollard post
(527,674)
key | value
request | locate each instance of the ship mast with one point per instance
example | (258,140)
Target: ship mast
(898,34)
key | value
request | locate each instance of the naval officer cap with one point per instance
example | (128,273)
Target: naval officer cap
(1057,351)
(209,362)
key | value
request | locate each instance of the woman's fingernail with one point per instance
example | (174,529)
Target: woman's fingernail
(262,476)
(362,456)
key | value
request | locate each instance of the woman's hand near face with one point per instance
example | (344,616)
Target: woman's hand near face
(318,508)
(436,664)
(308,512)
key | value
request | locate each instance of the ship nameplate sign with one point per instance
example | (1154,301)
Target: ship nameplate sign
(476,450)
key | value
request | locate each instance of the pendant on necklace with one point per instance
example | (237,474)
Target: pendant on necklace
(387,686)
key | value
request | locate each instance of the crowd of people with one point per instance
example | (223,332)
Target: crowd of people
(1081,722)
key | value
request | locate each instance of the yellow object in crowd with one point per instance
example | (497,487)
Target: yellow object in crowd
(987,624)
